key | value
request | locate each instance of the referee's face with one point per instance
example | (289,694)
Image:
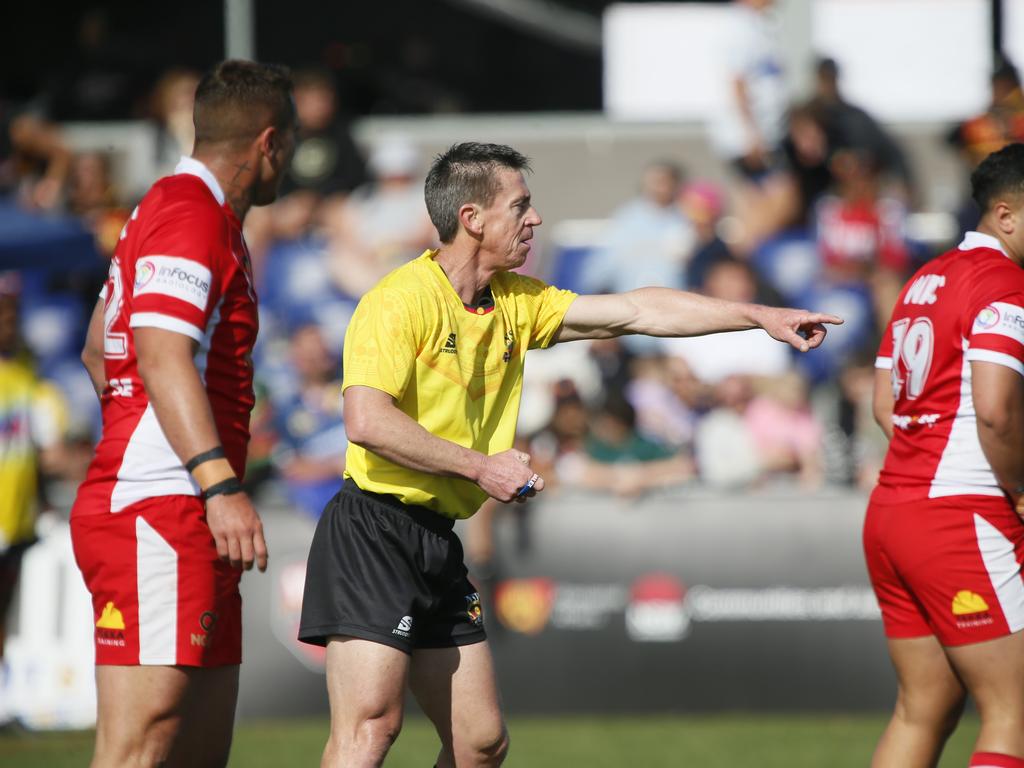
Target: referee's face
(510,220)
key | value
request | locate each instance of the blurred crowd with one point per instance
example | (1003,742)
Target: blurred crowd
(813,213)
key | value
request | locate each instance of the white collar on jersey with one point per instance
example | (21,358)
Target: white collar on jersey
(196,168)
(981,240)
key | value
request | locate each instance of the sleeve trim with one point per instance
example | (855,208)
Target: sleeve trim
(884,363)
(347,384)
(167,323)
(1000,358)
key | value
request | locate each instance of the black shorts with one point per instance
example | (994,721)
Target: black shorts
(388,572)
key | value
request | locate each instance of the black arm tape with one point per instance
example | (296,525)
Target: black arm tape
(223,488)
(205,456)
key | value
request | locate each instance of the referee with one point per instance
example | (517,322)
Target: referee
(433,373)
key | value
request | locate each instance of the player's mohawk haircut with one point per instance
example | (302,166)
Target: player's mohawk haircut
(466,173)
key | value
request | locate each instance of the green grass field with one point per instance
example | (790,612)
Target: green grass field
(777,741)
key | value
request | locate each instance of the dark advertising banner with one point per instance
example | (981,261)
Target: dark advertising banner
(690,603)
(687,602)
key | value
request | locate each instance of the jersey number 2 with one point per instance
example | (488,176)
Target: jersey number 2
(913,344)
(115,345)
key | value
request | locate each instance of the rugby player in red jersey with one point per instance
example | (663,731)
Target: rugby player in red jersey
(943,537)
(161,528)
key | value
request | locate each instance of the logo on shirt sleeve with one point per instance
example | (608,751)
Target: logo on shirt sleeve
(1001,319)
(175,277)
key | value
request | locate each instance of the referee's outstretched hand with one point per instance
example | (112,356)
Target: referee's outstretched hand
(507,476)
(237,529)
(801,329)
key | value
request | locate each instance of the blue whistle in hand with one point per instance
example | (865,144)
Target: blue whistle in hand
(529,484)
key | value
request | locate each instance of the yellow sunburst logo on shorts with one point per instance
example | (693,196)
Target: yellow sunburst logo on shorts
(967,602)
(111,618)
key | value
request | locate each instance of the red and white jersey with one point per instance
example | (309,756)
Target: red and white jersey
(966,305)
(181,265)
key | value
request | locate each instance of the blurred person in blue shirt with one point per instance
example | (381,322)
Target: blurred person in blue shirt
(311,453)
(649,240)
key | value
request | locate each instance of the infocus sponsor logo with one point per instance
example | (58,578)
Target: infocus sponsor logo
(782,604)
(185,276)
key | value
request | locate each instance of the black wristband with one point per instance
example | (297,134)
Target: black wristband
(205,456)
(223,488)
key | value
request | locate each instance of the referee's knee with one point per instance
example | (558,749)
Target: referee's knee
(489,748)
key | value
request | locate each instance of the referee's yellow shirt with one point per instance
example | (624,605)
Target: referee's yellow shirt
(456,371)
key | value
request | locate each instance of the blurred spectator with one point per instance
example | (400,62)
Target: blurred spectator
(381,225)
(311,452)
(867,444)
(752,436)
(861,233)
(32,422)
(702,203)
(564,433)
(648,240)
(616,458)
(666,411)
(851,127)
(715,358)
(34,159)
(93,198)
(808,147)
(101,72)
(1001,124)
(787,435)
(171,107)
(326,167)
(326,159)
(751,129)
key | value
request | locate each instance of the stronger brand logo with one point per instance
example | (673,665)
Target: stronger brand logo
(404,627)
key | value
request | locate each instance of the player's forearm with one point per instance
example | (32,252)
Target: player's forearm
(998,396)
(93,363)
(668,312)
(179,401)
(395,436)
(92,352)
(1000,442)
(882,400)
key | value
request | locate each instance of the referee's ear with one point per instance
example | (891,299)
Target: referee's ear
(471,219)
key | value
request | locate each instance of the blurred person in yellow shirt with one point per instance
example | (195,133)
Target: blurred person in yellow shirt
(32,421)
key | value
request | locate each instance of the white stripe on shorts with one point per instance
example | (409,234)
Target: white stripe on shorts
(1000,560)
(157,573)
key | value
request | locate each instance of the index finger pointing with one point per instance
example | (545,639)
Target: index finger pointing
(818,317)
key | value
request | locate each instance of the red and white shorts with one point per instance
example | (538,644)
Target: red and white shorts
(160,593)
(948,567)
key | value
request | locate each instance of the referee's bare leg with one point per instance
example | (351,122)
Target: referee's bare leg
(928,705)
(366,689)
(457,689)
(164,716)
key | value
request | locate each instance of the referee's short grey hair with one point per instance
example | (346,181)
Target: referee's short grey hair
(466,173)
